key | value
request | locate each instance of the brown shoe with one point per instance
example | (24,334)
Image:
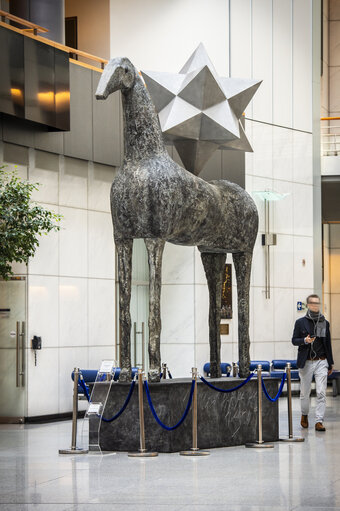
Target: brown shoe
(304,421)
(319,427)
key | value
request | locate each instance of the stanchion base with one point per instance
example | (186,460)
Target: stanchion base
(292,439)
(77,450)
(258,445)
(194,452)
(142,454)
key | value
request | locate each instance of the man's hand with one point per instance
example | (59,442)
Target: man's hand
(309,339)
(330,371)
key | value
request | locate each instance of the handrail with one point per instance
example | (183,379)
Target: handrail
(68,49)
(36,28)
(329,118)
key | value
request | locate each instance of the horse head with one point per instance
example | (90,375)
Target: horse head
(119,74)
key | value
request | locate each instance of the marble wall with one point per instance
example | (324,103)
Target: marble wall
(71,279)
(272,40)
(332,284)
(71,301)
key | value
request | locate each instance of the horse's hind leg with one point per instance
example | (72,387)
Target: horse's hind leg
(155,249)
(213,264)
(242,263)
(124,251)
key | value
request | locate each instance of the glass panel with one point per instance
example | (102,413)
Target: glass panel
(12,348)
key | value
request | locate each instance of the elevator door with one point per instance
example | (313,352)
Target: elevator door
(12,349)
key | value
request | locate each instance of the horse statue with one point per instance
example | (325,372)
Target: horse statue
(154,198)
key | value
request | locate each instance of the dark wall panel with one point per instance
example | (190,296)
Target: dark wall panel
(62,90)
(106,126)
(39,81)
(12,85)
(34,80)
(78,141)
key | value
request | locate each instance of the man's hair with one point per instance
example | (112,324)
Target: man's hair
(312,296)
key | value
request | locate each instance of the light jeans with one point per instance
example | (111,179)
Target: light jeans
(318,368)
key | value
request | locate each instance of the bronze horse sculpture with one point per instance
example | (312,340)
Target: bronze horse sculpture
(154,198)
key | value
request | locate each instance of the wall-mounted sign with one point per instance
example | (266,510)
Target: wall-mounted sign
(224,328)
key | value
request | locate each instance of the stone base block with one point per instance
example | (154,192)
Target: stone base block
(224,419)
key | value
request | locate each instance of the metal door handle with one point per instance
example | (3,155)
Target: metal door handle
(135,343)
(23,352)
(20,354)
(17,354)
(135,332)
(143,347)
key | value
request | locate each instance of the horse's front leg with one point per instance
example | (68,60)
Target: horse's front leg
(155,249)
(124,252)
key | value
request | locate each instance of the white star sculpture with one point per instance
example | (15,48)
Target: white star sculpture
(200,111)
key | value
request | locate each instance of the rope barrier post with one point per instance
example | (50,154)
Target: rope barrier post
(194,450)
(235,369)
(290,437)
(142,452)
(74,449)
(164,371)
(259,443)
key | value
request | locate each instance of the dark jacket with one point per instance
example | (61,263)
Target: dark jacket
(303,327)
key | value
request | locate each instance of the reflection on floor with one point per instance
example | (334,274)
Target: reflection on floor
(300,476)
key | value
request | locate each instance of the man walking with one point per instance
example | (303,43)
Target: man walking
(311,334)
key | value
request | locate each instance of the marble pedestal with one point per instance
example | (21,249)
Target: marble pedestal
(224,419)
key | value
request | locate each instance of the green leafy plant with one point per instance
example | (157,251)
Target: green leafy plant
(22,221)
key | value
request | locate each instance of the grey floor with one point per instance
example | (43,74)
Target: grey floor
(300,476)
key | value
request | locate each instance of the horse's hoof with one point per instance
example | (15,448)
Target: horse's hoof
(125,376)
(154,376)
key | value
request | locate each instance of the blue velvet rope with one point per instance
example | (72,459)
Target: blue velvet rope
(86,392)
(227,390)
(118,414)
(279,392)
(170,375)
(153,411)
(85,388)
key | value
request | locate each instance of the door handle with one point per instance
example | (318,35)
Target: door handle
(143,347)
(135,332)
(135,342)
(23,353)
(17,355)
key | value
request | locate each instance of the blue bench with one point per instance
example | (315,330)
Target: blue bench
(90,376)
(225,369)
(278,368)
(335,379)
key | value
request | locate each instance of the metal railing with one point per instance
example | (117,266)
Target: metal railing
(330,137)
(32,30)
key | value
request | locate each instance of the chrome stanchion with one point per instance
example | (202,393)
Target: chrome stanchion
(194,450)
(142,452)
(164,368)
(235,370)
(259,443)
(74,449)
(290,437)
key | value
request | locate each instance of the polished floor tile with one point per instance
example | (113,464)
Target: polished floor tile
(291,477)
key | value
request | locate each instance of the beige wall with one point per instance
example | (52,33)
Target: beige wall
(325,62)
(334,59)
(334,289)
(93,25)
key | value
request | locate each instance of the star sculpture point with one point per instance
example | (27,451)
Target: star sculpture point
(199,111)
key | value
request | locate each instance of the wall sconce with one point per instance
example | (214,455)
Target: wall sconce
(269,239)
